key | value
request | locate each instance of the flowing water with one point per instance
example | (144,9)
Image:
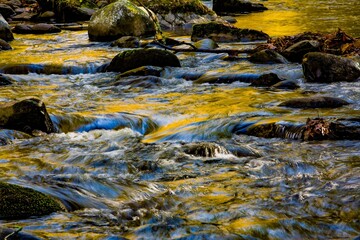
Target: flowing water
(131,160)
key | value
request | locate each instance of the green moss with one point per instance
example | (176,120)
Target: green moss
(175,6)
(17,202)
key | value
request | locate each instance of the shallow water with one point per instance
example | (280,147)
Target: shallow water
(123,163)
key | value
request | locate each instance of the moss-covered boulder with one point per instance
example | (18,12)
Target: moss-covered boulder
(132,59)
(17,202)
(118,19)
(5,31)
(236,6)
(315,102)
(26,115)
(220,32)
(327,68)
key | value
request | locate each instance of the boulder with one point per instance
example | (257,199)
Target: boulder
(131,59)
(5,31)
(126,42)
(24,16)
(18,202)
(327,68)
(314,102)
(118,19)
(220,32)
(40,28)
(6,11)
(267,56)
(4,45)
(26,115)
(266,80)
(296,52)
(236,6)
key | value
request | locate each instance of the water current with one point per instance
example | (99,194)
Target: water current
(124,164)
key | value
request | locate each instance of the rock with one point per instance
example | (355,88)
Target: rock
(7,136)
(220,32)
(18,202)
(46,15)
(276,130)
(287,84)
(139,82)
(5,31)
(314,102)
(327,68)
(6,11)
(118,19)
(142,71)
(266,80)
(296,52)
(179,13)
(5,80)
(14,4)
(236,6)
(26,115)
(267,56)
(205,149)
(15,234)
(132,59)
(25,16)
(40,28)
(126,42)
(218,78)
(206,44)
(4,45)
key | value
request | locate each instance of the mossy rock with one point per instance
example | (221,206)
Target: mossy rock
(118,19)
(132,59)
(179,6)
(220,32)
(18,202)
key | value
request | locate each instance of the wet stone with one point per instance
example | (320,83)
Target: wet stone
(314,102)
(5,80)
(40,28)
(296,52)
(287,84)
(126,42)
(267,56)
(142,71)
(266,80)
(218,78)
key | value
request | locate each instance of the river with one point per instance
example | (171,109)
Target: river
(121,162)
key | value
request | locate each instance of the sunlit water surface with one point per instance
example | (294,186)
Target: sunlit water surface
(120,164)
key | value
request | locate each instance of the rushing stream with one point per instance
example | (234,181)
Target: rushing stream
(122,162)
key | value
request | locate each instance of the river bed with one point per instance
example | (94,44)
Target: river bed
(121,162)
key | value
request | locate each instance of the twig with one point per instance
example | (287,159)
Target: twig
(13,233)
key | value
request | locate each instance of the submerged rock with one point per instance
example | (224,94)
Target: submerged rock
(132,59)
(296,52)
(217,78)
(315,102)
(327,68)
(205,149)
(267,56)
(286,84)
(236,6)
(18,202)
(126,42)
(142,71)
(40,28)
(266,80)
(26,115)
(5,30)
(118,19)
(220,32)
(206,44)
